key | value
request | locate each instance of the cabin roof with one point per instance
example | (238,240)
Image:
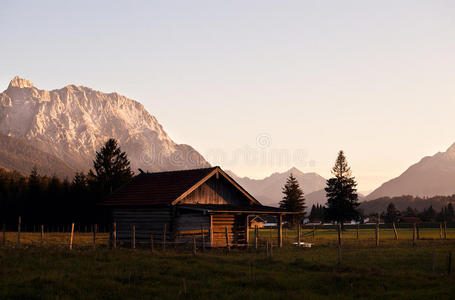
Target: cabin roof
(166,188)
(220,208)
(257,219)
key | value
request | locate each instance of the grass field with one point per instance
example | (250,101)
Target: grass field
(395,270)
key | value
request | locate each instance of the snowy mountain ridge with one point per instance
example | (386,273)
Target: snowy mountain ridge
(71,123)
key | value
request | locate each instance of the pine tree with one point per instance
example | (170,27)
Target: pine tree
(392,213)
(313,212)
(342,198)
(450,212)
(293,200)
(112,168)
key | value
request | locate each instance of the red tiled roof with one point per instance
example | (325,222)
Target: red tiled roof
(156,188)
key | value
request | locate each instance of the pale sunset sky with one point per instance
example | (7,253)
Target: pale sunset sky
(258,86)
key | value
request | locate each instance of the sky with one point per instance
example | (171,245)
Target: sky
(258,86)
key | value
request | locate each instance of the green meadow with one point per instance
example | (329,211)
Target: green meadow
(396,269)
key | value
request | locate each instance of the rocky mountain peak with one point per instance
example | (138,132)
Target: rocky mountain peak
(431,176)
(73,122)
(294,171)
(20,83)
(451,149)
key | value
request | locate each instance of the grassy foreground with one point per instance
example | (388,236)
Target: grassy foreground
(395,270)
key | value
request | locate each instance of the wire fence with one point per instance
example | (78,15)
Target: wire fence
(83,236)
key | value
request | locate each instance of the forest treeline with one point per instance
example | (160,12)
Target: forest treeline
(392,214)
(41,199)
(49,200)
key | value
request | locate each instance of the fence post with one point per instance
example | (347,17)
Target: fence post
(95,227)
(227,238)
(194,245)
(440,231)
(256,236)
(114,235)
(4,234)
(314,231)
(133,237)
(164,237)
(358,227)
(339,244)
(203,238)
(445,230)
(299,228)
(414,235)
(377,233)
(418,232)
(42,233)
(395,231)
(19,231)
(280,231)
(247,233)
(151,243)
(72,235)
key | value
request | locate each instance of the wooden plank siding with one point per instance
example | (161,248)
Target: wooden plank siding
(146,220)
(215,191)
(235,226)
(189,225)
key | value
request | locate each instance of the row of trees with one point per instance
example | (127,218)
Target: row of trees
(41,199)
(342,201)
(342,198)
(392,214)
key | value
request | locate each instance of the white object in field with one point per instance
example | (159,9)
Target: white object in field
(304,244)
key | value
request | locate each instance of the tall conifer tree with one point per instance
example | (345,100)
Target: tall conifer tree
(112,168)
(342,198)
(293,200)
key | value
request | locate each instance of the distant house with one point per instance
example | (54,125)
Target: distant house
(178,205)
(256,221)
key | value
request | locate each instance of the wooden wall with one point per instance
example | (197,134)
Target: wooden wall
(180,227)
(216,191)
(236,229)
(187,225)
(147,221)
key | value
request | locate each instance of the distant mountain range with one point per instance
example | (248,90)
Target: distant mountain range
(59,131)
(431,176)
(66,126)
(269,190)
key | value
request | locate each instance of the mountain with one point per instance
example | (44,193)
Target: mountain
(433,175)
(73,122)
(269,190)
(403,202)
(16,154)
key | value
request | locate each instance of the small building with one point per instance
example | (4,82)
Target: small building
(256,221)
(176,206)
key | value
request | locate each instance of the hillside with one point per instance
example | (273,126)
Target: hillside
(402,202)
(433,175)
(269,190)
(16,154)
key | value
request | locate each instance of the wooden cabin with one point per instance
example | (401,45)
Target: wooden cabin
(179,205)
(256,221)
